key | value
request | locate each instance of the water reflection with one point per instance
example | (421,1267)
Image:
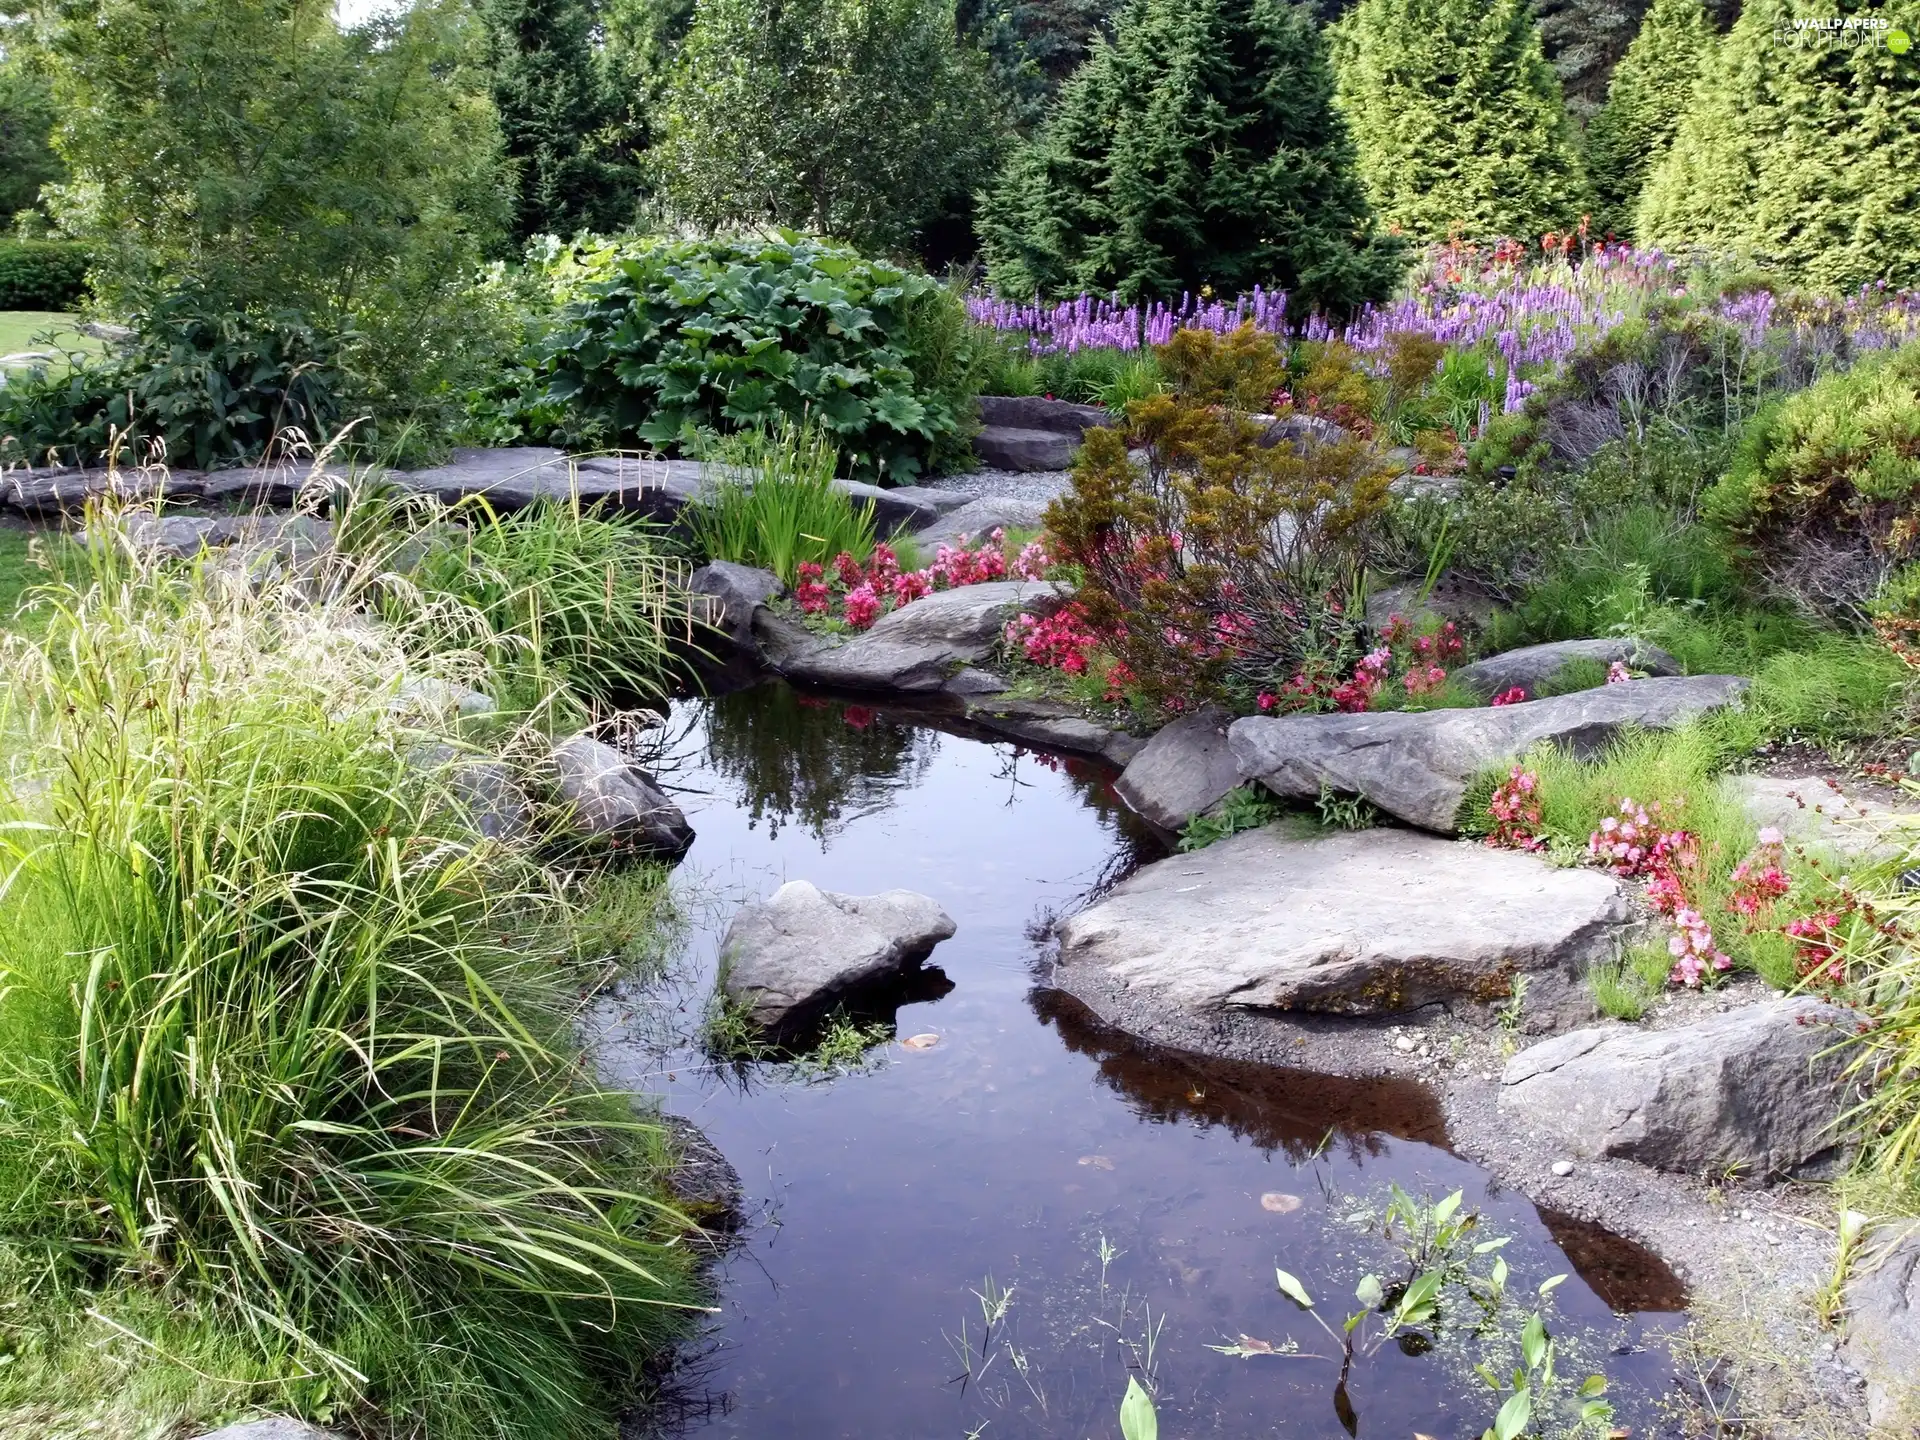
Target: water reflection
(1298,1113)
(820,763)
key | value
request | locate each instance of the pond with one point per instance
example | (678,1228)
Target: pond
(987,1235)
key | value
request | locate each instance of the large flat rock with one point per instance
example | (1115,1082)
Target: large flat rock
(1533,666)
(1755,1090)
(916,649)
(790,955)
(1417,765)
(1806,810)
(1371,922)
(978,518)
(1037,412)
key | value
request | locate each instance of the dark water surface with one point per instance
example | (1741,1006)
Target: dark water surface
(1029,1141)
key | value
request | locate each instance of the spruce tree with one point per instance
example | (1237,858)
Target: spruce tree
(1459,118)
(1584,41)
(557,115)
(1651,90)
(1200,147)
(1798,150)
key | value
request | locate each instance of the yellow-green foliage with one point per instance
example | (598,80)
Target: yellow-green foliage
(1793,149)
(1829,477)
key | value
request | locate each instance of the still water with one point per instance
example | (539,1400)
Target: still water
(987,1236)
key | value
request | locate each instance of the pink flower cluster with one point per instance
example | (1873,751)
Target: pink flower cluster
(1693,950)
(1760,879)
(1356,694)
(1515,807)
(1625,843)
(1819,947)
(1516,695)
(1061,641)
(866,592)
(1618,674)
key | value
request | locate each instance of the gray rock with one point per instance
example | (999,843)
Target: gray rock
(892,509)
(484,788)
(1036,412)
(1808,811)
(1417,765)
(703,1182)
(279,1428)
(177,537)
(733,593)
(1533,666)
(1300,431)
(48,493)
(915,649)
(1755,1088)
(515,477)
(1183,771)
(978,518)
(788,955)
(941,501)
(1371,922)
(1006,448)
(1883,1330)
(611,799)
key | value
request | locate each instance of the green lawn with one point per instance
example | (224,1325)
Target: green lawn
(27,329)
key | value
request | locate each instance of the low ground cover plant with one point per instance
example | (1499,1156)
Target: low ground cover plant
(294,1112)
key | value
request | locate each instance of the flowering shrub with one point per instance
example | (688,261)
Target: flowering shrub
(1221,561)
(1515,807)
(1761,879)
(1415,658)
(1060,641)
(865,593)
(1618,674)
(1517,695)
(1819,948)
(1693,950)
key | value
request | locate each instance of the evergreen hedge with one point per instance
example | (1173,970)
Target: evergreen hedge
(43,274)
(1459,118)
(1650,91)
(1798,148)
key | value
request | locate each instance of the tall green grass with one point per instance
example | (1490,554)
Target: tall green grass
(288,1078)
(770,502)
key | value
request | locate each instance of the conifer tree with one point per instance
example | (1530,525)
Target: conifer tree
(1798,150)
(557,115)
(1652,88)
(1458,118)
(1200,147)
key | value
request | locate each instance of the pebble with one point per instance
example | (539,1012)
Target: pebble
(1014,484)
(1563,1168)
(1404,1044)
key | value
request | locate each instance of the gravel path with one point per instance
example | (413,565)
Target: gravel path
(1040,485)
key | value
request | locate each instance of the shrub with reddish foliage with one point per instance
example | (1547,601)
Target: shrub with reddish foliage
(1060,641)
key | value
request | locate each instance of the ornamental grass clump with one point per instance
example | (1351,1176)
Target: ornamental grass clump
(287,1063)
(1219,563)
(770,501)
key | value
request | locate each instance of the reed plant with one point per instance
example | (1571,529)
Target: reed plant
(288,1069)
(770,501)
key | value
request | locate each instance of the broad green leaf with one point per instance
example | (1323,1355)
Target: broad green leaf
(1500,1275)
(1137,1420)
(1488,1245)
(1595,1385)
(1513,1416)
(1293,1290)
(1444,1210)
(1533,1342)
(1552,1283)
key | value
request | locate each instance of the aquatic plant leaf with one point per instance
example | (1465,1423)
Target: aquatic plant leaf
(1513,1416)
(1137,1418)
(1552,1283)
(1293,1289)
(1370,1292)
(1279,1203)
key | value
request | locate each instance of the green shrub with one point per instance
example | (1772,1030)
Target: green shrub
(290,1050)
(775,505)
(43,274)
(1824,489)
(665,340)
(203,385)
(1092,376)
